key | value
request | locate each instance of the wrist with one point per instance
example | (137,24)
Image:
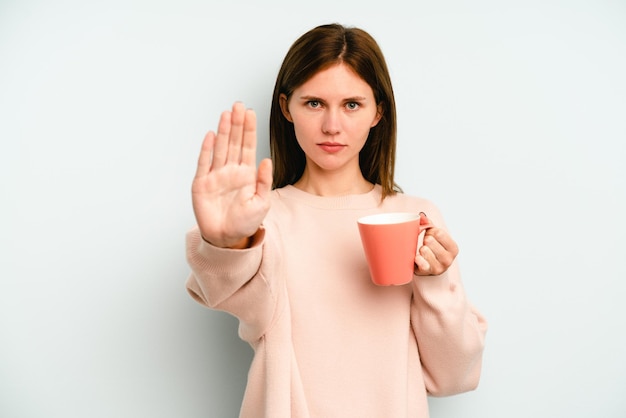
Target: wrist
(240,244)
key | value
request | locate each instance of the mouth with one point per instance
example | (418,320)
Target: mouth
(331,147)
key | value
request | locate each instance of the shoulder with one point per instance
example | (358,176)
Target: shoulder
(280,195)
(281,202)
(401,200)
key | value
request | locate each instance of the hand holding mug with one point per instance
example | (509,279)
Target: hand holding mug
(437,253)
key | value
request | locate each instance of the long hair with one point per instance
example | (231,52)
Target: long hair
(316,50)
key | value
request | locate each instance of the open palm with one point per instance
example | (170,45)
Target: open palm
(230,198)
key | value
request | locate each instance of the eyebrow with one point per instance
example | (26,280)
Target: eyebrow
(347,99)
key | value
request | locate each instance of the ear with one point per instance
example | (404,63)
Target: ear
(379,115)
(284,106)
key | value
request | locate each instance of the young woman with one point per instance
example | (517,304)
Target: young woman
(279,247)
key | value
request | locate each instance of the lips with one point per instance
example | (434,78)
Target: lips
(331,147)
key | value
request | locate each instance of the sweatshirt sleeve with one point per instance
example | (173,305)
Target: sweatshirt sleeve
(232,281)
(450,331)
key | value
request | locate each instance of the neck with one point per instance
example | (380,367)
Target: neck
(333,184)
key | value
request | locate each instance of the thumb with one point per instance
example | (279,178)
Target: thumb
(264,178)
(424,221)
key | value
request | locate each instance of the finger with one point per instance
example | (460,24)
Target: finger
(236,133)
(220,149)
(424,221)
(248,151)
(437,256)
(442,239)
(206,155)
(435,246)
(422,266)
(434,267)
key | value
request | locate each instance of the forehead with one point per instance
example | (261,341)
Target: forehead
(335,81)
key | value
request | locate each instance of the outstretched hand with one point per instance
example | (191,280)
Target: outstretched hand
(230,198)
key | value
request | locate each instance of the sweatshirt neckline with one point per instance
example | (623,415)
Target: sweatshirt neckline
(366,200)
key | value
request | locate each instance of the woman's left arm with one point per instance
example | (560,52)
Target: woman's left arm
(450,331)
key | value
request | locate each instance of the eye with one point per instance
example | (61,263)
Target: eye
(313,104)
(352,105)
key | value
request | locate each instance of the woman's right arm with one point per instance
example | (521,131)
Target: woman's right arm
(240,282)
(230,200)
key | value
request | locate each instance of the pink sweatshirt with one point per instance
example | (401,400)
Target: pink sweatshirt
(327,341)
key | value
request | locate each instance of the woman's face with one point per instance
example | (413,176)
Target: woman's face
(332,115)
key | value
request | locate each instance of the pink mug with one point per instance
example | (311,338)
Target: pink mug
(390,245)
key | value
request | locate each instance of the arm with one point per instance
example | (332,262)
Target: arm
(234,281)
(450,332)
(230,200)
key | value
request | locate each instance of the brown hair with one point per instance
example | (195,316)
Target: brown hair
(316,50)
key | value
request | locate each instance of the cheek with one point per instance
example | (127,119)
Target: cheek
(302,136)
(303,128)
(361,131)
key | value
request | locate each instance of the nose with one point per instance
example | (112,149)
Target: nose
(331,125)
